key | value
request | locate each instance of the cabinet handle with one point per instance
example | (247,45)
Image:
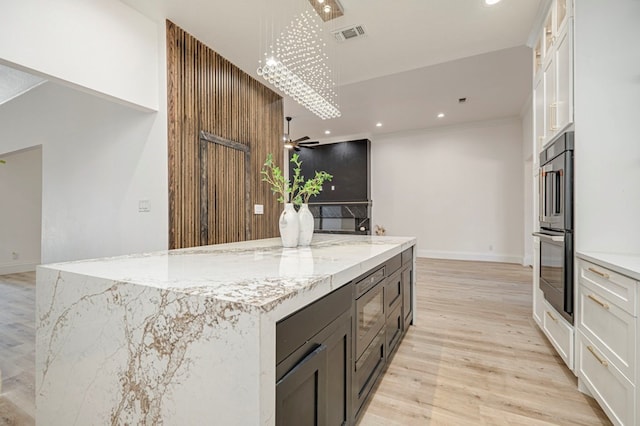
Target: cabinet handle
(598,301)
(551,316)
(317,351)
(598,357)
(602,274)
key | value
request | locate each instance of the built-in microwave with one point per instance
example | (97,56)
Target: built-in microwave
(556,184)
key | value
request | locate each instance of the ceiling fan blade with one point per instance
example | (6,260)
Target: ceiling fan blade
(310,143)
(305,146)
(296,149)
(304,138)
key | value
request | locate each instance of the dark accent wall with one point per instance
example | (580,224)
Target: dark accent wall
(208,93)
(348,162)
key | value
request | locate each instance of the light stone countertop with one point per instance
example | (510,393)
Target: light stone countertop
(256,274)
(625,264)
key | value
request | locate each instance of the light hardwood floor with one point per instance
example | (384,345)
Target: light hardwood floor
(474,356)
(17,348)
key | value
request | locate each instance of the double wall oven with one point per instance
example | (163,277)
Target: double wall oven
(556,224)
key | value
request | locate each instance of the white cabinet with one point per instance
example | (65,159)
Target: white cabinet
(607,340)
(562,114)
(553,74)
(559,332)
(540,118)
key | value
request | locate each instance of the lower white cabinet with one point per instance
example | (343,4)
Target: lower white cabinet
(559,332)
(615,393)
(608,341)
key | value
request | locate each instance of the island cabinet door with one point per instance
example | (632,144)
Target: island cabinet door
(315,388)
(301,395)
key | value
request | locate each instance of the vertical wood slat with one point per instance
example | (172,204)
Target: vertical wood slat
(207,92)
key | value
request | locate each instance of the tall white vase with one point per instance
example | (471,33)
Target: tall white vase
(289,226)
(306,225)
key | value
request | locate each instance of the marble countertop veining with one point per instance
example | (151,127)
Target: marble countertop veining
(625,264)
(259,273)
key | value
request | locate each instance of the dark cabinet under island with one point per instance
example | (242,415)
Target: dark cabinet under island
(331,353)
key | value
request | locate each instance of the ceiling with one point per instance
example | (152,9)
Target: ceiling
(14,83)
(418,58)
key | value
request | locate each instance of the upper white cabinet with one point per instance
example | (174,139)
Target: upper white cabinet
(553,74)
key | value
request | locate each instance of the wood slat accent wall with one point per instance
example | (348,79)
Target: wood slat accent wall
(208,93)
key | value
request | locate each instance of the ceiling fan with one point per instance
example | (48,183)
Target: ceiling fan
(298,143)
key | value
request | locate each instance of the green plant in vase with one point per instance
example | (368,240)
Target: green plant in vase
(288,193)
(310,188)
(295,192)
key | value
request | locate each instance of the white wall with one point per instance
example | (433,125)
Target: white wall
(607,112)
(527,158)
(20,215)
(103,46)
(457,189)
(99,159)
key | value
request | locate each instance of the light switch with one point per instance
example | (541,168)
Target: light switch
(333,188)
(143,206)
(258,209)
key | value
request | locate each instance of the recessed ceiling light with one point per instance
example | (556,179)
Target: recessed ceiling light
(441,115)
(327,132)
(491,2)
(378,124)
(327,8)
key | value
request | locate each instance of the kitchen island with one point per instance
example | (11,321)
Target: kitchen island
(182,336)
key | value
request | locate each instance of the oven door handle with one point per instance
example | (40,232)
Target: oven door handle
(556,238)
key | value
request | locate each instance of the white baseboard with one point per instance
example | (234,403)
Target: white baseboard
(18,268)
(482,257)
(528,260)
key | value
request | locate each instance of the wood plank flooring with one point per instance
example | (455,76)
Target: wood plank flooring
(17,348)
(474,357)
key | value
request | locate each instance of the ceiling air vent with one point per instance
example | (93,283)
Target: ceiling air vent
(349,33)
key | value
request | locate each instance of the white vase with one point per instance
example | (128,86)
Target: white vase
(306,225)
(289,226)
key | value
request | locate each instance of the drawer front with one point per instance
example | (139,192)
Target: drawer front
(393,264)
(613,329)
(292,332)
(613,391)
(407,256)
(620,290)
(559,332)
(393,292)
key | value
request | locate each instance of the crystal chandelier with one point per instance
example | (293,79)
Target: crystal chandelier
(296,63)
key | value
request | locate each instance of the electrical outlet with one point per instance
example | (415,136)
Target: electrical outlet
(143,206)
(258,209)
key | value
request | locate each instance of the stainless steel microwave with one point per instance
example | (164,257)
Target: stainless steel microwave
(556,184)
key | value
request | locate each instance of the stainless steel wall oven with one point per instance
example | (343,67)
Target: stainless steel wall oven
(556,224)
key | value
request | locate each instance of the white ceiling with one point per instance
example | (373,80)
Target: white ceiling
(418,58)
(14,83)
